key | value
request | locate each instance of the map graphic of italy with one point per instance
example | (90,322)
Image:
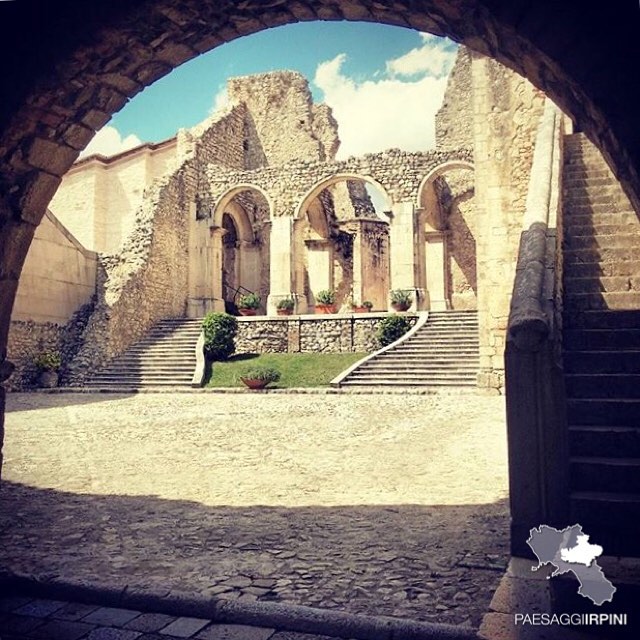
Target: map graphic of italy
(570,550)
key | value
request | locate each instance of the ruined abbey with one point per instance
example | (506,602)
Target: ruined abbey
(254,200)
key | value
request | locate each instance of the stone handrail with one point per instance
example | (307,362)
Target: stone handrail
(535,398)
(200,371)
(529,320)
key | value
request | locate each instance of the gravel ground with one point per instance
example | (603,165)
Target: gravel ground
(380,504)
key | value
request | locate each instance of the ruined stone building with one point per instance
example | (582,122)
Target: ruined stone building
(254,200)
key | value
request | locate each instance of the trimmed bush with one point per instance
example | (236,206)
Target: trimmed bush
(219,331)
(48,361)
(392,328)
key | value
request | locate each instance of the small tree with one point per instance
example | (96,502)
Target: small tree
(219,331)
(392,328)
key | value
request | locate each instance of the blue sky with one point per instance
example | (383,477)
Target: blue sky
(384,84)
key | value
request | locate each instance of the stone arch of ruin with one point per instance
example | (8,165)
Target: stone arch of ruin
(441,169)
(334,179)
(224,199)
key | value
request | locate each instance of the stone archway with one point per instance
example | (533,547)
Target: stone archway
(447,238)
(341,241)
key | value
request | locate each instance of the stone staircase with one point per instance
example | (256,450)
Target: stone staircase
(165,357)
(442,353)
(601,342)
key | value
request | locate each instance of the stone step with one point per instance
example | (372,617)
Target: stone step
(605,319)
(611,442)
(601,339)
(403,382)
(153,369)
(596,216)
(433,361)
(382,369)
(604,269)
(577,179)
(136,380)
(615,412)
(594,301)
(615,284)
(588,229)
(621,240)
(601,254)
(593,385)
(611,519)
(440,347)
(579,172)
(615,475)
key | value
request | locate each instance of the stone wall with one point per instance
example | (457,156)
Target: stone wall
(454,120)
(59,276)
(507,110)
(284,122)
(28,340)
(335,333)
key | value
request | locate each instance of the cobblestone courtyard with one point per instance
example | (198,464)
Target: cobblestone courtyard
(379,504)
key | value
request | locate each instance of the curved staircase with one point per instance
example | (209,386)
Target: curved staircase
(442,353)
(165,357)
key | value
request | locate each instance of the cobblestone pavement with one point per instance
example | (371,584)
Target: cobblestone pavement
(378,504)
(24,618)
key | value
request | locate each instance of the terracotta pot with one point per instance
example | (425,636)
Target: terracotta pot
(252,383)
(48,379)
(325,308)
(400,306)
(248,312)
(285,312)
(360,309)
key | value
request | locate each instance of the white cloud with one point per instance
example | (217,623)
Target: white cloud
(220,101)
(109,142)
(375,115)
(435,57)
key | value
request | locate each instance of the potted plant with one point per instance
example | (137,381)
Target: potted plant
(249,304)
(400,299)
(365,307)
(326,301)
(48,364)
(285,307)
(258,377)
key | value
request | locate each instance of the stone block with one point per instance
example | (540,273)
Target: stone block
(235,632)
(111,616)
(184,627)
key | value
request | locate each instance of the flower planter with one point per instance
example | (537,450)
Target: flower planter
(325,308)
(360,309)
(254,383)
(285,312)
(248,312)
(400,306)
(48,379)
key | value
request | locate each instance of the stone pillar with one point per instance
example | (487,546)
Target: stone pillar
(205,267)
(403,232)
(281,265)
(436,269)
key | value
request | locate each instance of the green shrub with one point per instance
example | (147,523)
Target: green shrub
(250,301)
(286,304)
(391,328)
(367,305)
(267,374)
(219,331)
(48,361)
(401,297)
(326,296)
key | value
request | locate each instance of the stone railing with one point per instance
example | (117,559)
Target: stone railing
(536,422)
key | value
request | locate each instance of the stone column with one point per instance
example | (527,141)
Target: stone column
(249,266)
(403,232)
(436,269)
(281,265)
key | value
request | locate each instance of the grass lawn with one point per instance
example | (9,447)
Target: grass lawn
(296,369)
